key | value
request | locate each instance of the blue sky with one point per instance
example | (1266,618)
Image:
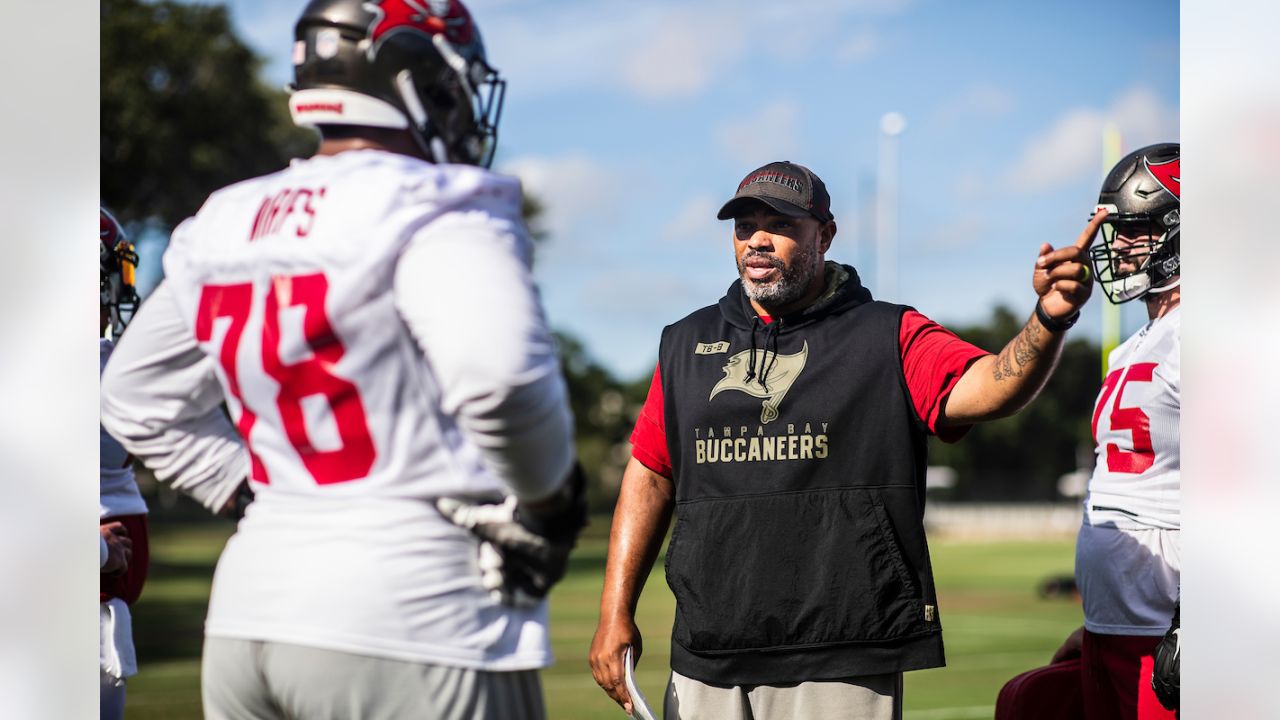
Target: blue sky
(634,121)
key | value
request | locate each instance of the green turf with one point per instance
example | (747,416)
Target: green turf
(995,626)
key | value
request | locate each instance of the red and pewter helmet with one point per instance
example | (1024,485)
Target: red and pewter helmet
(407,64)
(1142,196)
(117,262)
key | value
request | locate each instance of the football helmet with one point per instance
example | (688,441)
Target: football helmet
(1139,253)
(117,262)
(407,64)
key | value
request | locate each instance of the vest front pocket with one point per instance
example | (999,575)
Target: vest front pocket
(791,570)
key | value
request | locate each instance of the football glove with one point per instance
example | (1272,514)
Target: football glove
(238,502)
(523,552)
(1165,675)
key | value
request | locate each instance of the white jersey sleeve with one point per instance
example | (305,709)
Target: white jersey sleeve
(117,491)
(484,336)
(162,400)
(1136,480)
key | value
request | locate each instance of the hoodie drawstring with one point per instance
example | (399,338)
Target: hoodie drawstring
(766,364)
(771,338)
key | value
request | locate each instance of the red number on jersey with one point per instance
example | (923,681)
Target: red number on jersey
(234,302)
(312,377)
(1132,419)
(1108,386)
(308,377)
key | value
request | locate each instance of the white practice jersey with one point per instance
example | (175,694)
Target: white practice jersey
(1128,552)
(371,321)
(117,491)
(1136,479)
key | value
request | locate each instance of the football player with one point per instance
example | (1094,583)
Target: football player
(369,317)
(1128,556)
(122,513)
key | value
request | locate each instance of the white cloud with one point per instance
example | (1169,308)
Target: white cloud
(1065,151)
(695,221)
(659,49)
(1072,146)
(1144,119)
(768,134)
(822,9)
(540,53)
(976,101)
(961,232)
(669,51)
(679,58)
(971,186)
(573,188)
(860,46)
(662,48)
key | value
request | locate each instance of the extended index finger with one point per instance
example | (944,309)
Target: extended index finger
(1091,230)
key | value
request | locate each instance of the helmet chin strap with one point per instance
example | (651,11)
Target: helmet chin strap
(1166,288)
(433,150)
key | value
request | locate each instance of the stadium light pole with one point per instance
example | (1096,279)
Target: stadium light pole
(892,124)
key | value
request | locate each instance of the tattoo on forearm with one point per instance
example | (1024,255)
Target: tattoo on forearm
(1017,355)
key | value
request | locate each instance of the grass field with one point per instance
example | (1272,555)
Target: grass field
(995,626)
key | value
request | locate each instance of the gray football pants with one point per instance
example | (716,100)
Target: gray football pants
(870,697)
(253,680)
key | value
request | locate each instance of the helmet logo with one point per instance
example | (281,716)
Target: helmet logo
(328,42)
(1168,174)
(107,231)
(428,17)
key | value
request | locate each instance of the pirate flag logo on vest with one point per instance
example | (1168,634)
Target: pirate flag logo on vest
(781,375)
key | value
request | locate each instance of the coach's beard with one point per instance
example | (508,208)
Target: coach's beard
(790,285)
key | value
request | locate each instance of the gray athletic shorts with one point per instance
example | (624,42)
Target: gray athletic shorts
(253,680)
(870,697)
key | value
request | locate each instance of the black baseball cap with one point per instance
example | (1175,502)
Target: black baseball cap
(789,188)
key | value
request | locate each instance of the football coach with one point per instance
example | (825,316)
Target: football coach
(785,429)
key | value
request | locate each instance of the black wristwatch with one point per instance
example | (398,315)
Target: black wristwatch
(1055,326)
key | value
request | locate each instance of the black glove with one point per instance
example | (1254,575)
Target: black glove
(239,502)
(523,551)
(1165,676)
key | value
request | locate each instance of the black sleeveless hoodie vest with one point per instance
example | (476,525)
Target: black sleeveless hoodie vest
(799,550)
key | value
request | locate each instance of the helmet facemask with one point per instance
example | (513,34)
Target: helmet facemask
(1138,254)
(454,113)
(117,264)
